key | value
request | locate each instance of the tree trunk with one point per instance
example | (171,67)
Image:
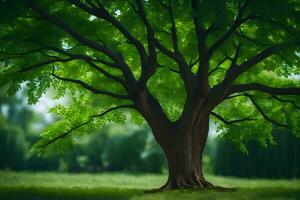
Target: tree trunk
(183,141)
(184,155)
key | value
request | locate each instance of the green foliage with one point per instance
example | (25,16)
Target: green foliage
(125,148)
(23,33)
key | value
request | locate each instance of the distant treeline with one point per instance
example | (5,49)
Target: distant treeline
(133,149)
(277,161)
(134,152)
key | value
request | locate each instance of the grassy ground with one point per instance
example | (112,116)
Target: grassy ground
(46,186)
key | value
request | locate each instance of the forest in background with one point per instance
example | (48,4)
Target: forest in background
(129,148)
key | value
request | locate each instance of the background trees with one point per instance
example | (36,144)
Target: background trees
(123,148)
(277,161)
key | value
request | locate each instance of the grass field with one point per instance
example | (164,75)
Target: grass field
(46,186)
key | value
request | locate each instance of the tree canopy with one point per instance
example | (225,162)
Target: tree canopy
(105,54)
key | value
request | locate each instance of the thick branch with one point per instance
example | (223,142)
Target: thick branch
(54,20)
(235,70)
(149,68)
(264,88)
(102,13)
(184,68)
(116,57)
(150,31)
(226,88)
(203,68)
(229,122)
(155,43)
(84,123)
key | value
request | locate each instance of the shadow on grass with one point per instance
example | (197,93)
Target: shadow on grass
(278,193)
(101,193)
(262,193)
(44,193)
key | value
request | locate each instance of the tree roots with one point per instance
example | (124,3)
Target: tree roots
(194,182)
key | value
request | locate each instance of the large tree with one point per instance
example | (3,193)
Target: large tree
(175,63)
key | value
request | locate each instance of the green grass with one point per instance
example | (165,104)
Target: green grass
(45,186)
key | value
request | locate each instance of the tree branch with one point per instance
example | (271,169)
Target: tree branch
(286,101)
(90,61)
(43,13)
(263,88)
(84,123)
(150,68)
(234,71)
(116,57)
(89,87)
(105,73)
(102,13)
(154,42)
(184,68)
(229,122)
(173,27)
(165,50)
(237,22)
(218,65)
(234,96)
(240,34)
(203,54)
(171,69)
(44,63)
(83,57)
(259,109)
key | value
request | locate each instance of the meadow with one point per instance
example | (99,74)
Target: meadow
(119,186)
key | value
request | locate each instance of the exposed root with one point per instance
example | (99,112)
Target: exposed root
(194,182)
(206,183)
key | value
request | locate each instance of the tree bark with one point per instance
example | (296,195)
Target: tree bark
(182,141)
(184,155)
